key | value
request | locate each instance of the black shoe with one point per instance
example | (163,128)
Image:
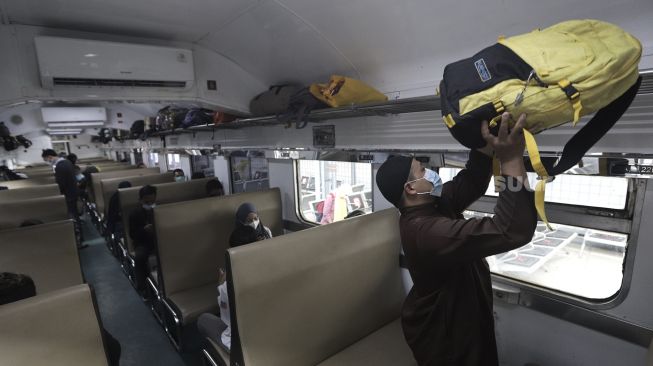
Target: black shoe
(82,246)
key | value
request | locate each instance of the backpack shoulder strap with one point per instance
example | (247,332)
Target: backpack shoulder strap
(593,131)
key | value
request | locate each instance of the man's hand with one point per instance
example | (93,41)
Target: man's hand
(508,145)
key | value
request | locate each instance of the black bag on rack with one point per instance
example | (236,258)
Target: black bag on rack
(273,101)
(4,130)
(137,129)
(300,105)
(105,135)
(170,118)
(198,116)
(24,141)
(10,143)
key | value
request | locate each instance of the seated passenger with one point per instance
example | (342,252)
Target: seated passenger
(141,232)
(114,214)
(179,175)
(14,287)
(249,227)
(248,230)
(218,328)
(214,188)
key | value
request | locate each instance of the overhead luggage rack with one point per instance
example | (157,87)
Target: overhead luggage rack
(397,106)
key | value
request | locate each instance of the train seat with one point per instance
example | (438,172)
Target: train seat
(47,253)
(19,194)
(60,328)
(330,295)
(46,209)
(192,238)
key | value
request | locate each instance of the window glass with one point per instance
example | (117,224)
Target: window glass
(582,190)
(249,171)
(154,159)
(174,161)
(329,191)
(575,260)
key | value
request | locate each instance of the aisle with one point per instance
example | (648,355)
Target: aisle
(123,313)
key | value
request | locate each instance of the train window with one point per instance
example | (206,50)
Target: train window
(582,190)
(249,171)
(174,161)
(329,191)
(579,261)
(154,159)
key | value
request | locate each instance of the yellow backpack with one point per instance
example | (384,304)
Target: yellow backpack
(554,75)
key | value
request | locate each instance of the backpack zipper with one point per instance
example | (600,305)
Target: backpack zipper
(531,76)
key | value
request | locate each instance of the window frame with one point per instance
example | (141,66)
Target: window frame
(626,221)
(297,189)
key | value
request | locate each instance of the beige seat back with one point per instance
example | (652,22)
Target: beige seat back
(166,193)
(46,209)
(56,329)
(192,236)
(316,291)
(22,183)
(110,186)
(47,253)
(10,195)
(96,178)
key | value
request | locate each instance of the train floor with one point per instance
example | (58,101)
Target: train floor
(125,315)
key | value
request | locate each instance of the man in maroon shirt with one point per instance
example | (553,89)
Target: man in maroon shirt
(447,317)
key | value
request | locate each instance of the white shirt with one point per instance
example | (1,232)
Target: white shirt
(223,301)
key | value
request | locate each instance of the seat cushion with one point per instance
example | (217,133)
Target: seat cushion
(196,301)
(386,346)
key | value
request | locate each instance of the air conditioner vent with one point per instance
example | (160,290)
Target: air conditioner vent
(114,83)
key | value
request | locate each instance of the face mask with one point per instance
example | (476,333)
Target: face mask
(179,179)
(149,207)
(432,177)
(79,177)
(254,224)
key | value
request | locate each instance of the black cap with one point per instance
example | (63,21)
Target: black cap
(392,176)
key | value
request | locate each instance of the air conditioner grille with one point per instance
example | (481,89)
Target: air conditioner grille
(116,82)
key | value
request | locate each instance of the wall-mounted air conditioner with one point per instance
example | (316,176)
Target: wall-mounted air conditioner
(65,62)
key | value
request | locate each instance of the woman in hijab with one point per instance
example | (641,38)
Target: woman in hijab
(249,227)
(248,230)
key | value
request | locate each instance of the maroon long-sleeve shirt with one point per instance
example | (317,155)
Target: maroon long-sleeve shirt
(447,317)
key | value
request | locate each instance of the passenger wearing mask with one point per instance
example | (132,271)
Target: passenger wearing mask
(141,232)
(249,227)
(114,214)
(447,317)
(179,175)
(64,175)
(214,188)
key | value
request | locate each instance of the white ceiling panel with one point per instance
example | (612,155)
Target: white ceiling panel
(272,43)
(391,44)
(187,20)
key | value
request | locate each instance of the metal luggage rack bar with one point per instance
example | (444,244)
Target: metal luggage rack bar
(397,106)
